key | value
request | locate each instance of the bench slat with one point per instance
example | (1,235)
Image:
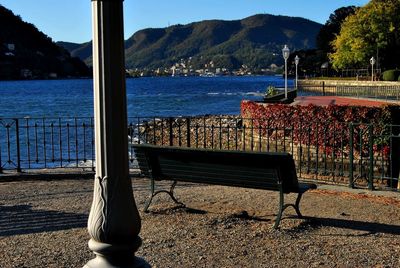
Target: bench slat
(218,174)
(213,167)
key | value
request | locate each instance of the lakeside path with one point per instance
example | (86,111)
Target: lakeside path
(335,100)
(43,224)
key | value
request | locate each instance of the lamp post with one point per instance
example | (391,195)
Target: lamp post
(114,222)
(286,52)
(372,61)
(296,61)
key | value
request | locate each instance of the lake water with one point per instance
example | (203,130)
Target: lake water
(150,96)
(44,140)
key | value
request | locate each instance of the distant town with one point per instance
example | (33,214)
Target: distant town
(184,68)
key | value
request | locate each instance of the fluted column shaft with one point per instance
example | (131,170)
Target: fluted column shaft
(114,222)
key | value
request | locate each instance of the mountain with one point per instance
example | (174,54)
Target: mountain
(68,45)
(26,52)
(82,51)
(255,41)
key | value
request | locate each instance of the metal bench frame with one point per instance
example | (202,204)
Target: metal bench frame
(146,155)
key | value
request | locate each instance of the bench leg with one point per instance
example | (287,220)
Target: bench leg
(283,206)
(154,193)
(281,209)
(171,194)
(297,205)
(152,188)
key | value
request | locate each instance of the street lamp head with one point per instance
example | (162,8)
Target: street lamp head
(372,61)
(296,60)
(285,52)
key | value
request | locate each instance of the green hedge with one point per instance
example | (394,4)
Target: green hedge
(391,75)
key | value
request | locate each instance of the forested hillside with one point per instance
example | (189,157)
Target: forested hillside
(26,52)
(255,41)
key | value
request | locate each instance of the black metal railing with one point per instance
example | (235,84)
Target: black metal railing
(36,143)
(347,153)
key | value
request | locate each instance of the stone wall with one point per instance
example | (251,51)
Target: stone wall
(370,89)
(303,82)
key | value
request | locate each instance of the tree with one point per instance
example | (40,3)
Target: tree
(332,27)
(373,29)
(313,59)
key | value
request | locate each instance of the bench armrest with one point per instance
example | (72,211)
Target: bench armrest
(304,187)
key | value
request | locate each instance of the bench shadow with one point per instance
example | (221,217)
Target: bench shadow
(243,215)
(369,227)
(182,209)
(22,219)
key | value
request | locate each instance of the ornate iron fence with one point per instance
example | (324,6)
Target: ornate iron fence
(362,155)
(40,143)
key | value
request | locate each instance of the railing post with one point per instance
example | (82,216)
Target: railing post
(1,165)
(212,136)
(154,131)
(244,137)
(371,159)
(76,143)
(351,155)
(188,132)
(323,88)
(44,142)
(18,145)
(162,131)
(60,139)
(171,134)
(252,135)
(220,133)
(92,143)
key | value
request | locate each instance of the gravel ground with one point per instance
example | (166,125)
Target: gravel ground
(43,224)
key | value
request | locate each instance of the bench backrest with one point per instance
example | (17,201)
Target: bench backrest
(258,170)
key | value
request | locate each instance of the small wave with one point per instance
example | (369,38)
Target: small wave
(257,94)
(253,94)
(223,93)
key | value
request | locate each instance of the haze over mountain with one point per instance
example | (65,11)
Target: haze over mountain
(255,41)
(26,52)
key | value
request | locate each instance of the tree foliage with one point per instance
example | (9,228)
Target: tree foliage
(332,27)
(373,29)
(312,59)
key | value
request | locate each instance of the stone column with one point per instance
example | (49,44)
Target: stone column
(114,222)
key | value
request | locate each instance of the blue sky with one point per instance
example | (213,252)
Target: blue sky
(71,20)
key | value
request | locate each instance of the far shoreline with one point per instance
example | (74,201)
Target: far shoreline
(154,76)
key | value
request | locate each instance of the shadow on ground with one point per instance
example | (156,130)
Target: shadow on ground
(369,227)
(22,219)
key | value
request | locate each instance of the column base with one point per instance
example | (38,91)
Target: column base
(116,256)
(102,262)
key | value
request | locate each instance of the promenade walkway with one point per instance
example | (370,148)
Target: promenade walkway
(334,100)
(43,224)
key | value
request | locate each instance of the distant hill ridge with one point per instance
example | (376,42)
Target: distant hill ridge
(255,41)
(26,52)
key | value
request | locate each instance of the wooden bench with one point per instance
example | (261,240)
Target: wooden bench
(257,170)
